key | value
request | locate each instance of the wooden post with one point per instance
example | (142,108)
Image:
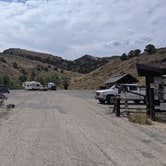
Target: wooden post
(114,108)
(118,106)
(152,109)
(150,97)
(147,80)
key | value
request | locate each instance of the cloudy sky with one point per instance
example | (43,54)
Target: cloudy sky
(72,28)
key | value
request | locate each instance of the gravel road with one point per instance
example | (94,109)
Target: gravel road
(69,128)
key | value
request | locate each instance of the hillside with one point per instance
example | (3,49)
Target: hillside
(83,65)
(86,72)
(88,63)
(20,65)
(96,78)
(20,68)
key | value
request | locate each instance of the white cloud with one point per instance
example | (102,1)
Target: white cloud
(71,28)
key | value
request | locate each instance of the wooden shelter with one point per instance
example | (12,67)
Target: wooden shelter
(150,72)
(123,78)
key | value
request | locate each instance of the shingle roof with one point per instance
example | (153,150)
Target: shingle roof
(122,78)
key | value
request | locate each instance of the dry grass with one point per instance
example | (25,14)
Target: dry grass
(140,118)
(161,117)
(97,77)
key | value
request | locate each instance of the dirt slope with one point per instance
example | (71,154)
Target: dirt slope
(16,66)
(115,66)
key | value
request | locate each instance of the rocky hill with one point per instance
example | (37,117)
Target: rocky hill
(87,72)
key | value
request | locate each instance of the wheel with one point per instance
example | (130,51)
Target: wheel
(109,99)
(136,101)
(101,101)
(144,101)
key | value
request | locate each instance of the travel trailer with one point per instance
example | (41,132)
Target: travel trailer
(32,85)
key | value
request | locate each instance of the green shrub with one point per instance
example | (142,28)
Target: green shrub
(14,64)
(23,71)
(65,82)
(33,75)
(150,49)
(23,78)
(46,68)
(140,118)
(137,52)
(123,57)
(15,85)
(38,68)
(134,53)
(2,59)
(46,77)
(11,84)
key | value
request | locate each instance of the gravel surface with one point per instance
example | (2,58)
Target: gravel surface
(69,128)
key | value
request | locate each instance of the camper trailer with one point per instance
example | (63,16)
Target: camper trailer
(32,85)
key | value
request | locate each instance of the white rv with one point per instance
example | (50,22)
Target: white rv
(131,93)
(32,85)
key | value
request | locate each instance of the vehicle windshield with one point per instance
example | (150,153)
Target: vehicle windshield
(113,87)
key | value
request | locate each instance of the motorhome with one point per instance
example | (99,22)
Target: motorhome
(32,85)
(128,91)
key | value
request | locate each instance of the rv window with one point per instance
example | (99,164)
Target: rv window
(133,88)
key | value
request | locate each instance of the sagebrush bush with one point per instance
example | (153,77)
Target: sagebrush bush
(139,118)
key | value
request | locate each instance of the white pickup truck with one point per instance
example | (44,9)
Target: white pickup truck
(129,92)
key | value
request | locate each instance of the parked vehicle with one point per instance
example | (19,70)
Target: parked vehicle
(2,99)
(32,85)
(43,88)
(51,86)
(4,89)
(128,91)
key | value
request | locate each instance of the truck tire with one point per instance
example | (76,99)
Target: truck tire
(136,101)
(109,99)
(101,101)
(144,101)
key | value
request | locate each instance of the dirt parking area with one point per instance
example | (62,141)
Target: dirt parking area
(69,128)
